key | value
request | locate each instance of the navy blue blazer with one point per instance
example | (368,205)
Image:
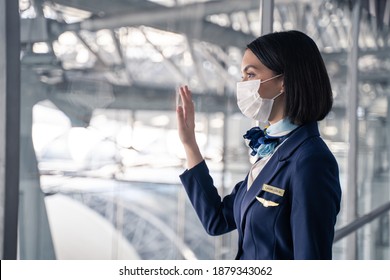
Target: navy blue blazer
(290,210)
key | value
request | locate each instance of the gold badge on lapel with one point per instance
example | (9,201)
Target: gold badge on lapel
(266,203)
(272,189)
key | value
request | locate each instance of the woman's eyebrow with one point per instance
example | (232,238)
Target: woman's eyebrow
(247,67)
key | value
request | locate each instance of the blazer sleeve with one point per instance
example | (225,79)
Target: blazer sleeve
(315,203)
(215,214)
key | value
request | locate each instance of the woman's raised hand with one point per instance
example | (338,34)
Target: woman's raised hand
(186,117)
(186,127)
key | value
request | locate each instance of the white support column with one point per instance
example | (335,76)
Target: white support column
(9,126)
(267,16)
(353,94)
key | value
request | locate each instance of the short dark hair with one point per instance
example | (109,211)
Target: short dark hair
(306,82)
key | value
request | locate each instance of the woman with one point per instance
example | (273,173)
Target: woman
(287,205)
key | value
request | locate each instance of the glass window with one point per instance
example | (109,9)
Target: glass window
(100,154)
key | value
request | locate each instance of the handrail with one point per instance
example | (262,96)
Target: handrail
(360,222)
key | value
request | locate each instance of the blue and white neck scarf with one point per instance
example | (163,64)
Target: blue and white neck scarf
(264,142)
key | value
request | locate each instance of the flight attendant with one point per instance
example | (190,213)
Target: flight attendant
(286,207)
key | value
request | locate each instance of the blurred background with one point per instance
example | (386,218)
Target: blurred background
(100,155)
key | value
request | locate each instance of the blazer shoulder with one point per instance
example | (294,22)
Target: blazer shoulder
(315,152)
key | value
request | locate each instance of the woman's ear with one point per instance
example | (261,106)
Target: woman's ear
(282,89)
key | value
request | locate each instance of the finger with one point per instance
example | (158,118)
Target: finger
(178,97)
(188,106)
(181,120)
(186,95)
(188,91)
(180,116)
(183,96)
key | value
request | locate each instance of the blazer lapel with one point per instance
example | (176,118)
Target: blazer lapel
(266,175)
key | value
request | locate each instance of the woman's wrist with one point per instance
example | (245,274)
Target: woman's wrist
(194,157)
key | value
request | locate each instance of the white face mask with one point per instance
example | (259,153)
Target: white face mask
(250,102)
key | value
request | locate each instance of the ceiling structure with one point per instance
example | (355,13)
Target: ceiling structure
(131,54)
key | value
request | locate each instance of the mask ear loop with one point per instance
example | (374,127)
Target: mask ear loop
(280,93)
(274,77)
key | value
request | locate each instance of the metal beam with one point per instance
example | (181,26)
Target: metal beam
(180,19)
(141,97)
(212,33)
(9,127)
(361,222)
(108,7)
(193,11)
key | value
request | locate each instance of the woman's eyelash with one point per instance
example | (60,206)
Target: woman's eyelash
(248,75)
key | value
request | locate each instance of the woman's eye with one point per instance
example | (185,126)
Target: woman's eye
(248,76)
